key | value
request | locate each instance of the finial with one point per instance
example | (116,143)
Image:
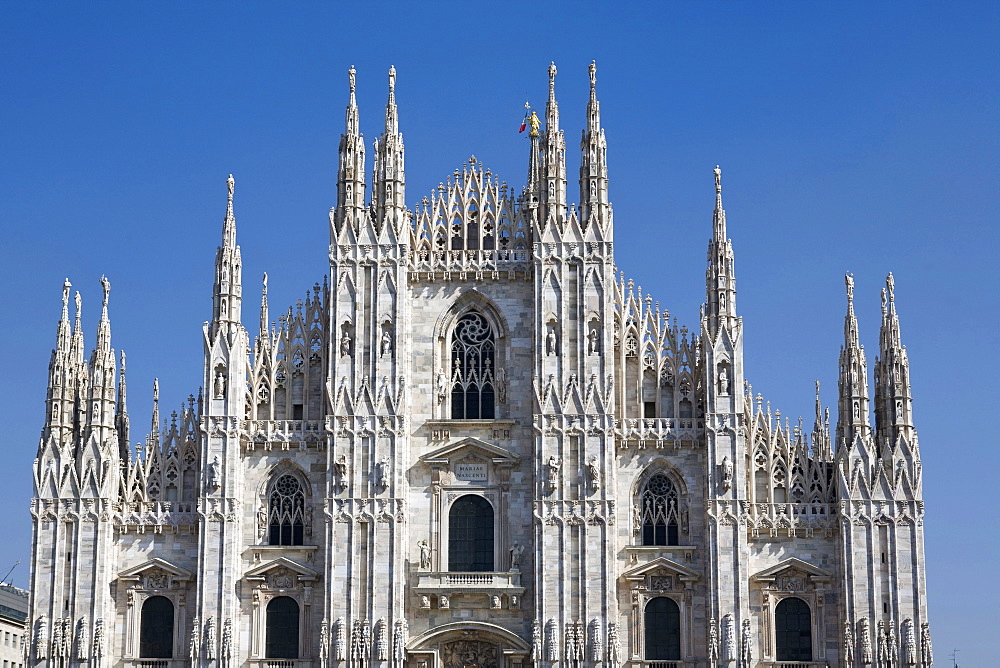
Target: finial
(265,282)
(79,304)
(890,284)
(718,179)
(884,301)
(849,281)
(392,78)
(817,390)
(156,389)
(123,362)
(231,186)
(350,77)
(593,74)
(552,80)
(106,284)
(66,286)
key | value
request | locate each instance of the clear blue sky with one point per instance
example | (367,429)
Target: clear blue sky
(853,137)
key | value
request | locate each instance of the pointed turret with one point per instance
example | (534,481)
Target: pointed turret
(351,168)
(852,409)
(60,390)
(264,319)
(102,369)
(228,272)
(821,432)
(721,275)
(593,165)
(530,195)
(389,183)
(893,402)
(121,414)
(553,152)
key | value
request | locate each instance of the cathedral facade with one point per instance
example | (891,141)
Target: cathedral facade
(476,444)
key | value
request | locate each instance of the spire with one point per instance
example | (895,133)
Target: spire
(821,432)
(721,276)
(553,151)
(593,165)
(60,397)
(228,270)
(852,417)
(76,343)
(154,426)
(104,327)
(263,309)
(350,170)
(63,330)
(530,194)
(893,401)
(121,414)
(388,188)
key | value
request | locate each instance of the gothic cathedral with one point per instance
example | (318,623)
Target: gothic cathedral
(476,445)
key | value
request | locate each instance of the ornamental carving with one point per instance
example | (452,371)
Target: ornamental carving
(469,653)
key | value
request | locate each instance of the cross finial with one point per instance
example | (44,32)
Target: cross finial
(392,78)
(350,77)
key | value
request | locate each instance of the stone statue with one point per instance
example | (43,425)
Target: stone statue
(386,343)
(502,384)
(593,343)
(727,473)
(425,554)
(595,473)
(495,602)
(345,345)
(723,380)
(554,466)
(515,556)
(425,601)
(442,386)
(444,602)
(848,644)
(550,342)
(926,651)
(746,646)
(214,474)
(341,471)
(220,382)
(382,473)
(262,520)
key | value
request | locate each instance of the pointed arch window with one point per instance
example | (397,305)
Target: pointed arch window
(473,354)
(282,636)
(659,512)
(793,630)
(470,535)
(662,621)
(156,628)
(286,511)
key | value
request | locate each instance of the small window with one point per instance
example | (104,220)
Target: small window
(649,409)
(793,630)
(286,506)
(470,535)
(296,411)
(282,640)
(156,628)
(663,630)
(659,512)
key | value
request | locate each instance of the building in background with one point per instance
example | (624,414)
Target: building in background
(476,443)
(13,625)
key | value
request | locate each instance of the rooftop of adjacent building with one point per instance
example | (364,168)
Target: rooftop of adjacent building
(13,603)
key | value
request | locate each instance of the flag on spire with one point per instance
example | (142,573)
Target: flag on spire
(527,116)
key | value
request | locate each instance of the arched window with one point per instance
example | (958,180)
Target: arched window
(156,628)
(470,534)
(285,508)
(793,630)
(659,508)
(282,640)
(663,630)
(473,354)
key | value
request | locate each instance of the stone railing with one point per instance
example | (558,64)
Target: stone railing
(667,664)
(265,433)
(658,430)
(156,663)
(492,262)
(459,582)
(789,519)
(794,664)
(280,663)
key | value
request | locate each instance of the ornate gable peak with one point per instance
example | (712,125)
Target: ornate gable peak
(653,567)
(495,453)
(302,573)
(770,574)
(136,572)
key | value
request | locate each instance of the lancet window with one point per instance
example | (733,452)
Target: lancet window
(793,630)
(286,511)
(156,628)
(470,534)
(473,354)
(659,512)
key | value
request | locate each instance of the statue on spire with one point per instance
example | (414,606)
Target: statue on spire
(231,186)
(718,179)
(593,75)
(106,284)
(890,284)
(392,78)
(849,281)
(350,76)
(552,79)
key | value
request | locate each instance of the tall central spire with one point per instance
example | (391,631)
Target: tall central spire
(893,401)
(389,186)
(553,152)
(852,410)
(228,269)
(350,170)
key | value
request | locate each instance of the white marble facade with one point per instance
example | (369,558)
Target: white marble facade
(476,444)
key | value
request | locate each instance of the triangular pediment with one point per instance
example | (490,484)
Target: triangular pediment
(471,445)
(658,566)
(793,564)
(281,565)
(174,571)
